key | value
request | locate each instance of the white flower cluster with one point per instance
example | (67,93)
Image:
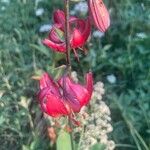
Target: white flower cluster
(98,34)
(39,12)
(5,1)
(81,8)
(97,124)
(45,28)
(141,35)
(74,76)
(111,78)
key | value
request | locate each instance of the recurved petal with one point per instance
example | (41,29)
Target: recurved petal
(54,36)
(57,47)
(89,85)
(69,94)
(78,93)
(52,104)
(54,41)
(59,17)
(47,81)
(80,33)
(83,92)
(56,106)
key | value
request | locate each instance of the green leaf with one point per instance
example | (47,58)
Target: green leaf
(24,147)
(98,146)
(41,49)
(63,141)
(2,120)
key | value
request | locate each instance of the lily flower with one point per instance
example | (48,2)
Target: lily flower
(99,14)
(64,97)
(79,32)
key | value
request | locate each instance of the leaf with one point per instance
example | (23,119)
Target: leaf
(2,120)
(41,49)
(107,47)
(98,146)
(63,141)
(2,93)
(24,147)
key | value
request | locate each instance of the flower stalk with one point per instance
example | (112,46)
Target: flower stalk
(65,97)
(67,35)
(68,60)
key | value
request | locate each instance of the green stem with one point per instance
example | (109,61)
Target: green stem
(71,135)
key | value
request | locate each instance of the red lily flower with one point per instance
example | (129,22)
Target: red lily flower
(77,95)
(64,96)
(50,98)
(79,32)
(100,14)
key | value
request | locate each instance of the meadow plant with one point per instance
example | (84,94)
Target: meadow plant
(118,57)
(63,99)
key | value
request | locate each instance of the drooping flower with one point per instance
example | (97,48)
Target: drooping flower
(76,93)
(79,32)
(50,97)
(99,14)
(62,97)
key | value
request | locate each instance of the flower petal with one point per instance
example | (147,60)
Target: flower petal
(89,86)
(69,95)
(51,103)
(54,41)
(81,33)
(77,95)
(55,106)
(54,46)
(46,81)
(59,17)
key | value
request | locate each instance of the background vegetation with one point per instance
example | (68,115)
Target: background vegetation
(123,51)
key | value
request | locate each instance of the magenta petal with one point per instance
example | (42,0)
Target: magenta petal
(77,95)
(46,81)
(54,40)
(82,92)
(70,96)
(81,33)
(89,86)
(55,106)
(55,46)
(50,98)
(52,104)
(65,96)
(59,17)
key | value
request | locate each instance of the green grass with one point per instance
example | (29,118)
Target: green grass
(121,52)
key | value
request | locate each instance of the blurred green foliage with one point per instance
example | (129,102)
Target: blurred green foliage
(124,51)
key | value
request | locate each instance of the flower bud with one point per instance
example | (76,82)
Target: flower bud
(99,14)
